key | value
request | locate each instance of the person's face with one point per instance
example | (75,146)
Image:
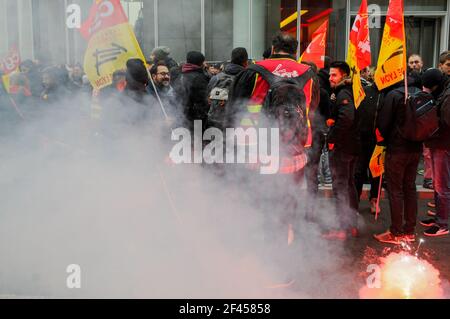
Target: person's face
(365,73)
(213,70)
(336,77)
(77,72)
(445,67)
(415,63)
(162,76)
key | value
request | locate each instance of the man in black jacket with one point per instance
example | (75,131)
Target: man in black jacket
(239,61)
(191,88)
(438,85)
(219,88)
(402,160)
(344,144)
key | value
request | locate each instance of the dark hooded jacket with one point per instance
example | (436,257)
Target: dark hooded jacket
(191,88)
(344,134)
(230,69)
(442,138)
(391,116)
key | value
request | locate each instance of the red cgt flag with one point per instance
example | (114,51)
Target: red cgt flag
(111,42)
(315,52)
(359,56)
(11,61)
(103,15)
(359,37)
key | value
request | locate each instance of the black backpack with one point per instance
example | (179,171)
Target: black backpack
(285,103)
(218,99)
(421,119)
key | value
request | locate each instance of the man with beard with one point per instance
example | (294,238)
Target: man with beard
(344,145)
(161,78)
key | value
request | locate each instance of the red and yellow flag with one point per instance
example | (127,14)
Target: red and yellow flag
(391,66)
(111,42)
(359,56)
(315,52)
(9,64)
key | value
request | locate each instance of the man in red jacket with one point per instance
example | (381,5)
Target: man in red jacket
(248,96)
(250,89)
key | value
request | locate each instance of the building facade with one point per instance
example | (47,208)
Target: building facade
(38,27)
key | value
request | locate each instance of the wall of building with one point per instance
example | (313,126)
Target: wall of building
(38,26)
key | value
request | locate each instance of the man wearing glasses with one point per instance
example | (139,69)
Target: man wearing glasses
(161,78)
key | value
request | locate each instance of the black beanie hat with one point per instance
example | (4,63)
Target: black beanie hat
(136,71)
(432,78)
(195,57)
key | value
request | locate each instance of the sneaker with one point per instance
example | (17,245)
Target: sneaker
(431,213)
(388,238)
(428,183)
(431,204)
(410,238)
(373,206)
(428,222)
(436,231)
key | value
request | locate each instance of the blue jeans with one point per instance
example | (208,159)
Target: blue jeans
(441,183)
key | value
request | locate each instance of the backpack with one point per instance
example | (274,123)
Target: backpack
(285,104)
(218,99)
(421,116)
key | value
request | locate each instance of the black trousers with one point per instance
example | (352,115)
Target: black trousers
(344,189)
(401,172)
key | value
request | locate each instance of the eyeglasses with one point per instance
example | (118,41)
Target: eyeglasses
(163,74)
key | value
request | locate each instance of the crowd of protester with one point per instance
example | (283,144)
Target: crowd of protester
(342,138)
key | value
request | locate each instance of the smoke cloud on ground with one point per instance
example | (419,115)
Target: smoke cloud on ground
(140,227)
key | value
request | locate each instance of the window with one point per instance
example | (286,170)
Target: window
(417,5)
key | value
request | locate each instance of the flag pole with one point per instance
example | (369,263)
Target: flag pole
(405,64)
(299,26)
(377,210)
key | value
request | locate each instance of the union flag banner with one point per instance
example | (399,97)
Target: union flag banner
(376,164)
(359,56)
(315,52)
(111,42)
(391,66)
(9,64)
(11,61)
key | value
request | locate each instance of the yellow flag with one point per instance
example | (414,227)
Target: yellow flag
(111,42)
(391,66)
(5,79)
(376,164)
(358,91)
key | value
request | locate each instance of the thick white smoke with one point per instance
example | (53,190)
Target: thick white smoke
(140,227)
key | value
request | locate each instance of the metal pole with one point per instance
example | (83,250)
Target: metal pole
(347,27)
(67,36)
(250,26)
(202,26)
(155,22)
(299,26)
